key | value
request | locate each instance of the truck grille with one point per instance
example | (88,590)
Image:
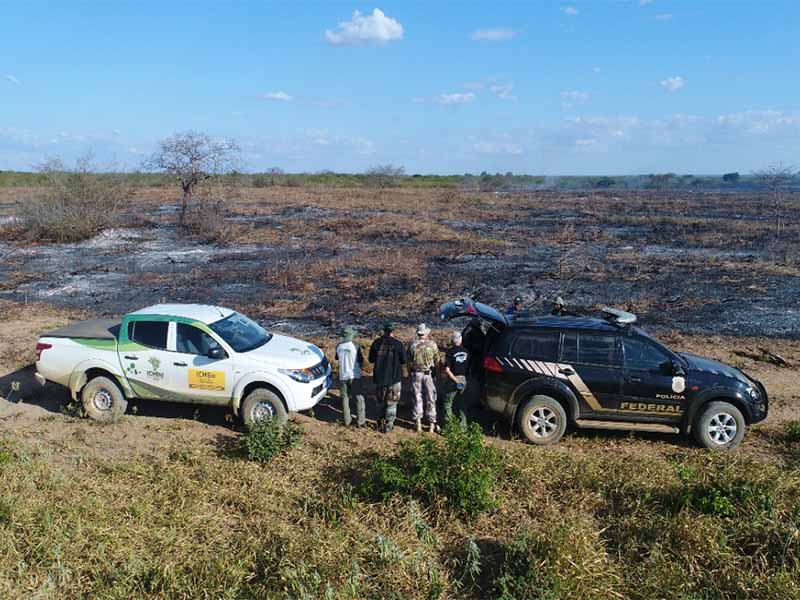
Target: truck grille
(320,369)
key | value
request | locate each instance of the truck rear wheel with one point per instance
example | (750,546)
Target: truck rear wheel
(720,426)
(262,405)
(543,420)
(103,400)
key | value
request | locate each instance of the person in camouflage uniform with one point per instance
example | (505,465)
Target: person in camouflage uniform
(423,355)
(388,355)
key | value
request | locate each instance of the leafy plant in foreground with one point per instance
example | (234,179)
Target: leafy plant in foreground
(458,471)
(268,439)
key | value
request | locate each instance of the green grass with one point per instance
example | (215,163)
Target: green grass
(194,522)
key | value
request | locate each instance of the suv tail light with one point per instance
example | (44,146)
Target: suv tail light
(491,364)
(41,347)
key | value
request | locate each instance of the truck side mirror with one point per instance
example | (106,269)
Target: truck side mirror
(216,353)
(666,367)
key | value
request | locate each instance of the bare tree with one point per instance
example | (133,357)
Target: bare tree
(777,179)
(192,157)
(384,176)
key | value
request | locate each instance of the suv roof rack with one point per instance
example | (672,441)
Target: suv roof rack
(618,317)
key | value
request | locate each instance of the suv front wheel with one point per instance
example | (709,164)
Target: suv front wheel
(542,420)
(720,426)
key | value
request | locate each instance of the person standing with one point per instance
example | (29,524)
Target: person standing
(423,356)
(559,310)
(388,355)
(514,308)
(348,353)
(456,370)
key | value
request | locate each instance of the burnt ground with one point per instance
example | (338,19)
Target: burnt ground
(306,259)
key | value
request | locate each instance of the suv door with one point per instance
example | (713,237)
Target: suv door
(144,357)
(646,388)
(592,363)
(193,375)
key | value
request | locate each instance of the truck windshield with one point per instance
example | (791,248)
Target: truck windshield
(241,333)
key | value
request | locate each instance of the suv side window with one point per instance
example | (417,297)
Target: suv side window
(569,348)
(152,334)
(536,346)
(642,356)
(599,350)
(191,340)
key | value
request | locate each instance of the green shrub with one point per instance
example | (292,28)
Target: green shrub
(266,440)
(459,472)
(792,431)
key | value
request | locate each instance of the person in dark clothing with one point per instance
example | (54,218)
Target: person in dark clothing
(456,369)
(388,355)
(558,308)
(515,307)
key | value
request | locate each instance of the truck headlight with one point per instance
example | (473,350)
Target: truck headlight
(301,375)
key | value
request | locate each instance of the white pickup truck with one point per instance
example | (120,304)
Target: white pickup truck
(183,353)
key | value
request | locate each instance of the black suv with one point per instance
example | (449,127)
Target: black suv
(542,372)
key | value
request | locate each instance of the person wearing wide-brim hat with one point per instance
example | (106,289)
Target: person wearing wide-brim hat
(388,355)
(348,353)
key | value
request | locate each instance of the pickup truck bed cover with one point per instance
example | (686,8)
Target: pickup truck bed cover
(96,329)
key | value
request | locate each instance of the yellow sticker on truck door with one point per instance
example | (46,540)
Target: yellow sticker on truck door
(200,379)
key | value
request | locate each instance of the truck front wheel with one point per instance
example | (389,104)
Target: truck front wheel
(720,426)
(103,400)
(262,405)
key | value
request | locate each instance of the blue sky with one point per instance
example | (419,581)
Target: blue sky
(601,87)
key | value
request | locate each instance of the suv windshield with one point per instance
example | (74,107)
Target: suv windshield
(241,333)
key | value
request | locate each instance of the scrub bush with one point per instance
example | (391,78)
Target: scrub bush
(75,204)
(458,473)
(268,439)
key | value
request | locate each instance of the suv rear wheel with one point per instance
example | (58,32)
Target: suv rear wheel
(542,420)
(720,426)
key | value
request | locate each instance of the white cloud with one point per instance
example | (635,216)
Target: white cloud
(498,148)
(13,79)
(503,90)
(376,28)
(575,95)
(278,96)
(496,34)
(645,2)
(455,98)
(596,69)
(673,84)
(571,11)
(474,85)
(664,17)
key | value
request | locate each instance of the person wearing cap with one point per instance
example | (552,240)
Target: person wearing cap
(456,369)
(558,307)
(515,307)
(348,353)
(388,355)
(423,356)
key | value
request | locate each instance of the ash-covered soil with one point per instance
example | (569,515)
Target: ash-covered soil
(309,259)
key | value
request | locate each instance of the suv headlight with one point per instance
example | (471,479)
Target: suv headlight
(301,375)
(754,393)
